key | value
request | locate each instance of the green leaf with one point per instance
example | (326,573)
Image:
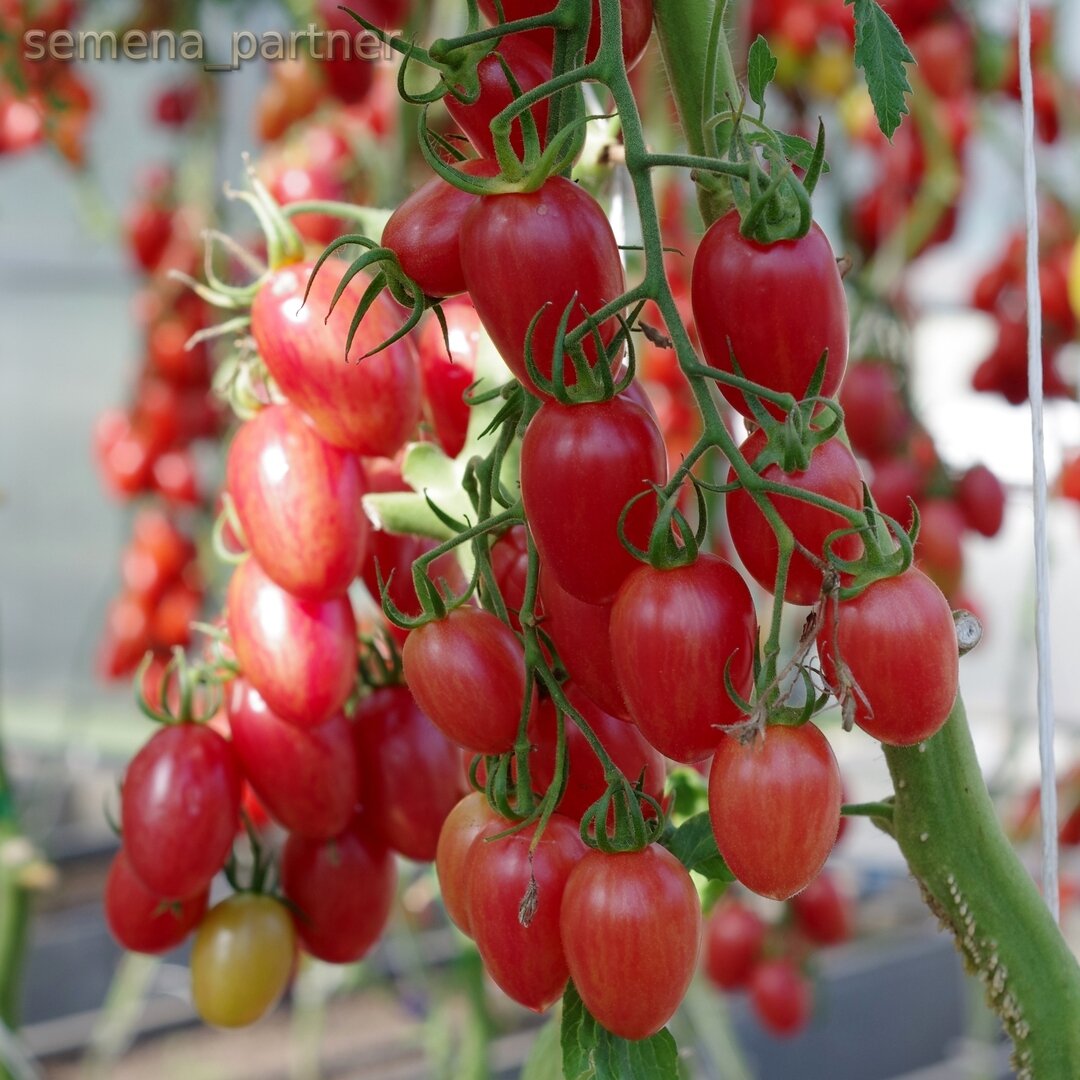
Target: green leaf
(760,69)
(881,53)
(592,1053)
(694,845)
(545,1058)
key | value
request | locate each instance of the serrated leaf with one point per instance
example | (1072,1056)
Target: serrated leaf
(797,150)
(590,1052)
(545,1057)
(881,54)
(760,69)
(694,845)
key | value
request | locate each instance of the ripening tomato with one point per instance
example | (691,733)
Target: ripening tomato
(734,938)
(180,802)
(342,890)
(412,773)
(822,912)
(306,777)
(467,672)
(898,641)
(518,238)
(896,481)
(369,406)
(510,565)
(939,550)
(980,496)
(531,67)
(242,959)
(585,782)
(139,919)
(298,501)
(580,466)
(462,826)
(832,473)
(673,635)
(126,636)
(513,903)
(781,997)
(424,232)
(875,416)
(775,807)
(616,911)
(776,307)
(582,635)
(299,654)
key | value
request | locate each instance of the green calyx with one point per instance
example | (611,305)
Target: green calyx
(195,689)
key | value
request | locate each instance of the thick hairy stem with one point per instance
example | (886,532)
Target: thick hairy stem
(972,880)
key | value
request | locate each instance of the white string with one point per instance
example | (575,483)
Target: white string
(1048,793)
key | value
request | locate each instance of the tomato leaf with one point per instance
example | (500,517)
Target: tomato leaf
(760,69)
(881,53)
(694,845)
(592,1053)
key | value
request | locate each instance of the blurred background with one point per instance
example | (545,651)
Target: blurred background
(77,317)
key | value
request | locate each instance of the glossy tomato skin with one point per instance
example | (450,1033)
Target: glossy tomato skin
(673,633)
(462,826)
(781,997)
(424,232)
(637,18)
(734,938)
(822,912)
(775,808)
(306,777)
(343,889)
(582,635)
(413,776)
(780,306)
(242,959)
(531,67)
(617,911)
(298,501)
(467,672)
(527,962)
(899,642)
(369,406)
(518,238)
(180,805)
(833,473)
(580,466)
(445,378)
(139,919)
(299,654)
(981,498)
(585,783)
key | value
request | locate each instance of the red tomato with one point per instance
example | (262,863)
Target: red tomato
(299,654)
(775,808)
(179,806)
(518,238)
(833,473)
(424,232)
(585,782)
(412,773)
(895,482)
(531,67)
(467,672)
(734,938)
(939,551)
(126,636)
(175,477)
(980,496)
(510,565)
(298,500)
(524,957)
(140,920)
(781,997)
(149,228)
(445,378)
(342,890)
(875,416)
(462,826)
(822,912)
(307,777)
(582,634)
(637,18)
(899,642)
(673,633)
(777,307)
(370,406)
(618,909)
(177,608)
(580,466)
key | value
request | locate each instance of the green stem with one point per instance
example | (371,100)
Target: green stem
(972,879)
(14,909)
